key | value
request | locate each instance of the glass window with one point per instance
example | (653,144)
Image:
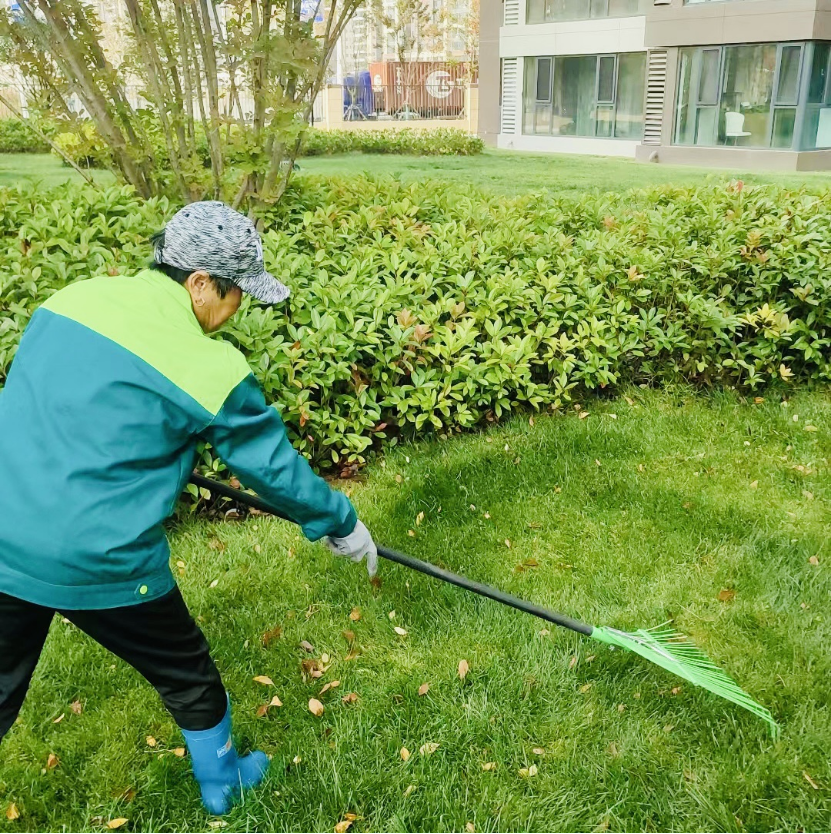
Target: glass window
(539,11)
(746,92)
(787,91)
(606,81)
(631,91)
(816,124)
(708,84)
(544,79)
(585,95)
(684,106)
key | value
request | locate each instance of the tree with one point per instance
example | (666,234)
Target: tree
(407,22)
(226,81)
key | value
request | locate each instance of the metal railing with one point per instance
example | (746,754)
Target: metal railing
(444,99)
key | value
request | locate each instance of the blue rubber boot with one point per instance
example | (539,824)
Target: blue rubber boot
(221,774)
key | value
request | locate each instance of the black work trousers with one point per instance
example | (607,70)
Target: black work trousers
(158,638)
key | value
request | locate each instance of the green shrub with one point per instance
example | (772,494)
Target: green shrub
(441,141)
(17,137)
(428,307)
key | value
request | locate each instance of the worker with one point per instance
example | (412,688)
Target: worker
(114,383)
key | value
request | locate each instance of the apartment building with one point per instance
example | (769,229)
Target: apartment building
(738,83)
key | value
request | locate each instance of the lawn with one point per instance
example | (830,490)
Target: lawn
(504,172)
(712,512)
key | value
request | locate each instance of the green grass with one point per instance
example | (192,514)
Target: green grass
(638,514)
(504,172)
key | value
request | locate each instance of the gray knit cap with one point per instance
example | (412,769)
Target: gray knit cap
(213,237)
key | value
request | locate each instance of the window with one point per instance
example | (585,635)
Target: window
(545,11)
(585,95)
(755,96)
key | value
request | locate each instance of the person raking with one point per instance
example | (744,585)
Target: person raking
(113,385)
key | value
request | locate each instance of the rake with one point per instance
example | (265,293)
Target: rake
(662,645)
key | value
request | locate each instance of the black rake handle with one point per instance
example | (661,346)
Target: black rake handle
(256,503)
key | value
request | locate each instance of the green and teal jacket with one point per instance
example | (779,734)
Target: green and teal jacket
(113,385)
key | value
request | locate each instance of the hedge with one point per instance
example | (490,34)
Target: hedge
(442,141)
(17,137)
(429,307)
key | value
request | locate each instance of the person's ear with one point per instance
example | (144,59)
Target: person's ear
(199,282)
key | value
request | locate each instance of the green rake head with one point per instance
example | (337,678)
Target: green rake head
(675,653)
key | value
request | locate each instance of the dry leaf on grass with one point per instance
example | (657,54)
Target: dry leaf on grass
(539,751)
(489,766)
(349,636)
(263,710)
(12,813)
(405,754)
(179,751)
(428,749)
(52,761)
(409,790)
(343,826)
(355,615)
(271,635)
(526,772)
(350,698)
(315,707)
(264,679)
(328,686)
(726,594)
(585,688)
(151,742)
(464,668)
(307,646)
(76,707)
(401,632)
(117,822)
(814,560)
(59,718)
(419,518)
(810,781)
(469,826)
(424,689)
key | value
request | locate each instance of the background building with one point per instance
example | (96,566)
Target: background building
(710,82)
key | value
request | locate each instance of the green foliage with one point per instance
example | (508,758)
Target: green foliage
(442,141)
(17,137)
(422,308)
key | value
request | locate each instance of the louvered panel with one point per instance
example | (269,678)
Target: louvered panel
(511,13)
(656,83)
(509,95)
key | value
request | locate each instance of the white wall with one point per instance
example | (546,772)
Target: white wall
(578,37)
(568,144)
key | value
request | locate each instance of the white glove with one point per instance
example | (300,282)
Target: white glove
(357,545)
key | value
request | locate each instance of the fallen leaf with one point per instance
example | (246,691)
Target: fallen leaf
(424,689)
(758,400)
(690,776)
(813,560)
(352,655)
(597,461)
(398,479)
(401,632)
(11,812)
(328,686)
(52,761)
(419,518)
(59,718)
(409,790)
(324,658)
(214,583)
(538,751)
(391,615)
(621,707)
(810,781)
(264,679)
(218,824)
(573,662)
(526,772)
(726,594)
(464,668)
(349,636)
(428,749)
(590,658)
(305,644)
(315,707)
(350,698)
(469,826)
(216,544)
(257,548)
(405,753)
(583,414)
(76,707)
(179,751)
(675,690)
(544,632)
(487,515)
(637,695)
(151,742)
(754,484)
(343,826)
(629,401)
(355,615)
(507,542)
(668,728)
(410,532)
(296,760)
(117,822)
(271,635)
(489,766)
(810,428)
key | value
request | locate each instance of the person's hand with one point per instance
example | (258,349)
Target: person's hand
(356,546)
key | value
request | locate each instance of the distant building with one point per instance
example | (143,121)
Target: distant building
(739,83)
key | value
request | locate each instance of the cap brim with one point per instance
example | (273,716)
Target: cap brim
(264,287)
